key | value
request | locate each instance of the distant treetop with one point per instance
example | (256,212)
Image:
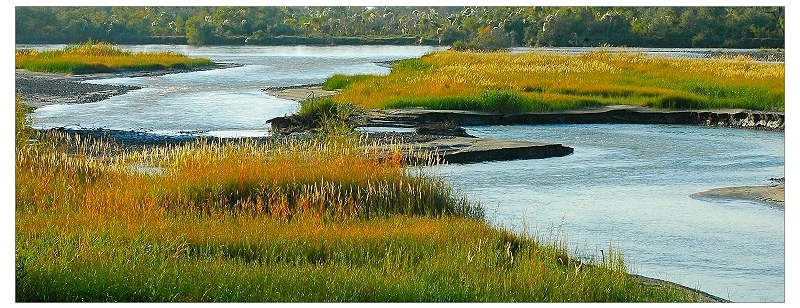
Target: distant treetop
(490,27)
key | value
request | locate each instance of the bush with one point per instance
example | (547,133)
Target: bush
(328,116)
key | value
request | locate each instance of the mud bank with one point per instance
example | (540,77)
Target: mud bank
(466,150)
(411,117)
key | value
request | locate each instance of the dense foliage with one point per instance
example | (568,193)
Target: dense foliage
(468,27)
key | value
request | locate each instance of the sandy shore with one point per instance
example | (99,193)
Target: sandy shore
(299,93)
(770,194)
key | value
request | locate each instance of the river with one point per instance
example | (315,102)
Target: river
(626,187)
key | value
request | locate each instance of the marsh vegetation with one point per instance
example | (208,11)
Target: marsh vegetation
(545,81)
(101,57)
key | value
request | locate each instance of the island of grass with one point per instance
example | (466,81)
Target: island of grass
(309,220)
(100,57)
(504,82)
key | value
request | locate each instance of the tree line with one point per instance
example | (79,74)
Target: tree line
(712,27)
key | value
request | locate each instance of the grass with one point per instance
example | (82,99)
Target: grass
(307,221)
(99,57)
(340,81)
(541,81)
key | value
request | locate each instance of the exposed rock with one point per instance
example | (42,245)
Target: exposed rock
(288,124)
(610,114)
(442,129)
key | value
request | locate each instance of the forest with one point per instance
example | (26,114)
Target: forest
(492,27)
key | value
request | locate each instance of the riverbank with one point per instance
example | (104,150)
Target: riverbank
(299,93)
(614,114)
(39,89)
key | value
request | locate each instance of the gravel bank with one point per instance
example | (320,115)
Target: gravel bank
(40,89)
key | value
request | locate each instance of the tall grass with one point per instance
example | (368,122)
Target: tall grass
(541,81)
(101,57)
(329,180)
(316,220)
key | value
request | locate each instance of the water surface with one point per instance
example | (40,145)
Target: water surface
(223,102)
(628,187)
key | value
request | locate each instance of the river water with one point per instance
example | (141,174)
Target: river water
(626,187)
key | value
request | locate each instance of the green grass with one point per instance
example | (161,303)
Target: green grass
(340,81)
(540,81)
(234,259)
(98,57)
(493,100)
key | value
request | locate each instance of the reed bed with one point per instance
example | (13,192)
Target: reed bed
(546,81)
(100,57)
(304,221)
(328,179)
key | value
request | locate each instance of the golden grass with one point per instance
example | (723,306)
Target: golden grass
(556,81)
